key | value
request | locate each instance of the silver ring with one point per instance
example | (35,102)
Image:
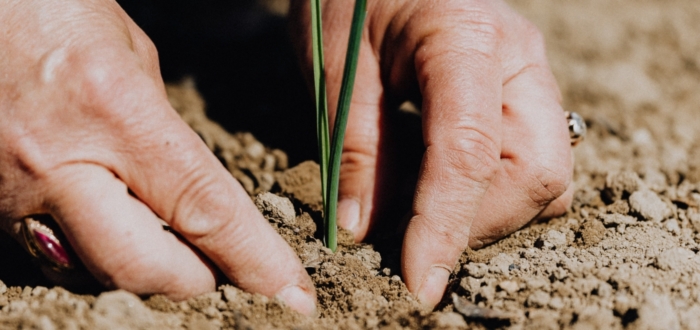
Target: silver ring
(43,244)
(577,127)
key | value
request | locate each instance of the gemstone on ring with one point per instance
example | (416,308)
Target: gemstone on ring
(42,243)
(577,127)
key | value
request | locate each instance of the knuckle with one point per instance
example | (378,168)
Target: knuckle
(478,17)
(200,189)
(473,154)
(353,160)
(477,28)
(109,83)
(547,182)
(449,231)
(483,25)
(146,45)
(146,50)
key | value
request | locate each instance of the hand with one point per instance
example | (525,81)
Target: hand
(87,135)
(497,151)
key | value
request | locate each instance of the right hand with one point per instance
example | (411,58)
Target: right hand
(84,121)
(496,149)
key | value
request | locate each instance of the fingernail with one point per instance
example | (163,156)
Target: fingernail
(433,287)
(349,214)
(298,299)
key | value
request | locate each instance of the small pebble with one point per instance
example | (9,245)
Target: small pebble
(673,227)
(470,284)
(674,258)
(657,312)
(230,293)
(39,290)
(487,293)
(26,292)
(449,320)
(51,295)
(281,160)
(621,303)
(255,150)
(268,164)
(276,208)
(556,303)
(211,312)
(509,286)
(538,299)
(557,238)
(500,264)
(536,283)
(605,290)
(649,205)
(617,219)
(476,270)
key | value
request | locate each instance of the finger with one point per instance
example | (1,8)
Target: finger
(361,157)
(461,87)
(536,162)
(366,174)
(119,239)
(171,170)
(560,205)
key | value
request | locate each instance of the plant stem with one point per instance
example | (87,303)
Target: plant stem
(341,119)
(320,97)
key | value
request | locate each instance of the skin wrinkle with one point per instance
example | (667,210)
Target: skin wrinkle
(527,67)
(474,164)
(88,120)
(148,265)
(455,72)
(444,181)
(539,197)
(196,188)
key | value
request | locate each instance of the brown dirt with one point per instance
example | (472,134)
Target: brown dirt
(624,256)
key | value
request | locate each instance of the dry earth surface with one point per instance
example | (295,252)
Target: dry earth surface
(624,256)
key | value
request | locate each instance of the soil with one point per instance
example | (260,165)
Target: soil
(625,256)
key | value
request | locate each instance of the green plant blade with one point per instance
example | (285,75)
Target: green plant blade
(320,98)
(341,119)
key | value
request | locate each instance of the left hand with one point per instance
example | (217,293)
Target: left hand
(497,150)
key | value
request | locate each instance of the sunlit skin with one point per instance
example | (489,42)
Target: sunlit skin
(85,120)
(497,149)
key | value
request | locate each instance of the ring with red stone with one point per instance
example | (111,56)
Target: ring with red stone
(42,243)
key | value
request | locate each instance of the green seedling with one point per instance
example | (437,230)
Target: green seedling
(331,150)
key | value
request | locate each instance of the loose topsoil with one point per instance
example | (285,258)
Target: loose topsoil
(624,256)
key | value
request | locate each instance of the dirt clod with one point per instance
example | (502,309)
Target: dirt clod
(649,206)
(276,208)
